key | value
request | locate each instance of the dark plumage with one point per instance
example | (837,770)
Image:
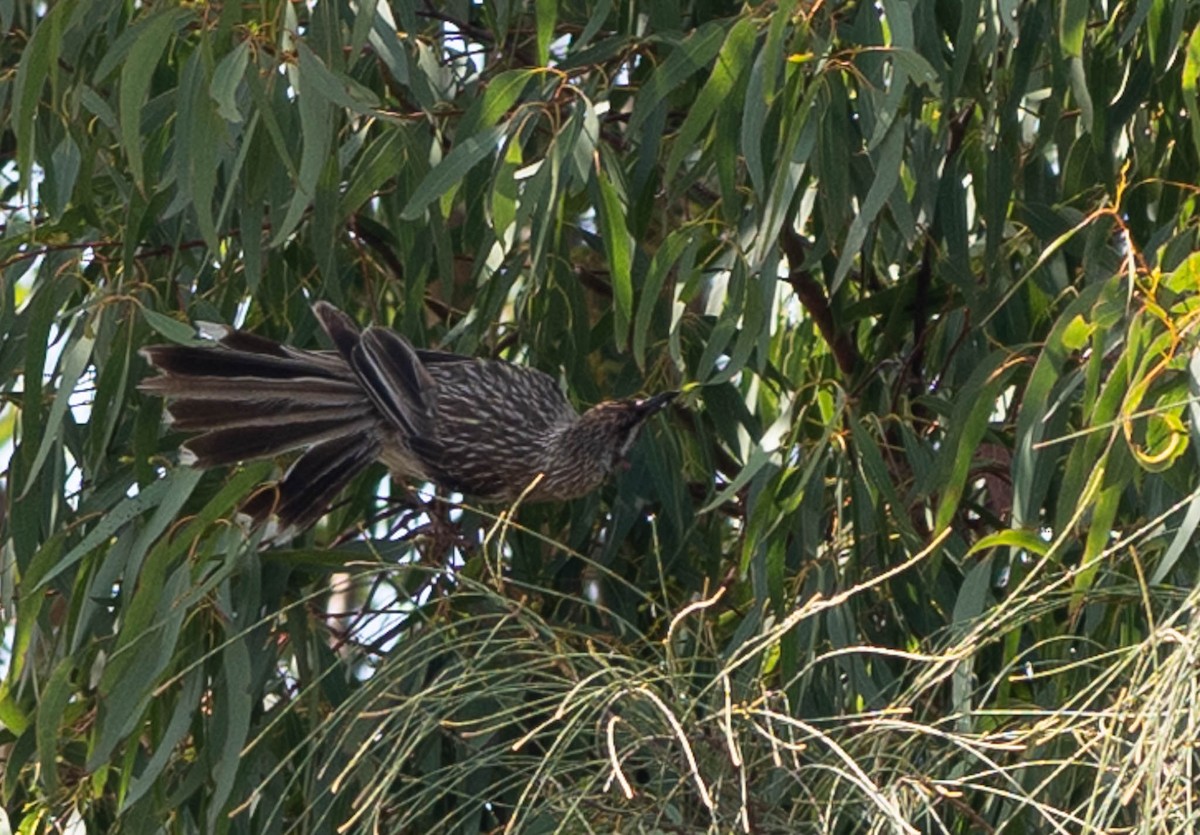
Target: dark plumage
(486,428)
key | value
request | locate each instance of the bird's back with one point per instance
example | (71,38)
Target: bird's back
(494,423)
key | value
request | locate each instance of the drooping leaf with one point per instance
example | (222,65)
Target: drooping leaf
(450,171)
(618,245)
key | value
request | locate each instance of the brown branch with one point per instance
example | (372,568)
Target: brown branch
(164,249)
(384,252)
(812,295)
(467,28)
(479,33)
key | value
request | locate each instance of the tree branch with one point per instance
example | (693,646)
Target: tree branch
(812,295)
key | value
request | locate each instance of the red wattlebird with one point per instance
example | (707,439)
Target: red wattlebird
(485,428)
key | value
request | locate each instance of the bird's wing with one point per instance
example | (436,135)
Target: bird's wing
(313,481)
(429,356)
(339,327)
(388,368)
(396,381)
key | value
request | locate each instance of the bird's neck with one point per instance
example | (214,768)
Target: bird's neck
(578,456)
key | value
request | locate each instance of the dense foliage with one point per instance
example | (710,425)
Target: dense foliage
(913,552)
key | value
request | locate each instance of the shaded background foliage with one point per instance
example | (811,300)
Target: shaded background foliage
(913,552)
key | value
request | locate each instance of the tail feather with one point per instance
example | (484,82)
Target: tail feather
(247,397)
(200,415)
(195,361)
(313,482)
(249,343)
(220,447)
(297,392)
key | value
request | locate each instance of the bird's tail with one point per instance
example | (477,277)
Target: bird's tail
(249,398)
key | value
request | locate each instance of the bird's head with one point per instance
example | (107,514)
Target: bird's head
(598,443)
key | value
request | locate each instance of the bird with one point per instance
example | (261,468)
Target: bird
(489,429)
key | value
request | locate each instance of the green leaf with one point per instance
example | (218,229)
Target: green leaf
(886,165)
(172,329)
(237,698)
(174,487)
(75,359)
(618,245)
(316,129)
(53,702)
(1011,538)
(600,13)
(732,62)
(584,141)
(718,341)
(1072,26)
(685,60)
(62,175)
(547,16)
(364,20)
(500,94)
(29,612)
(178,726)
(883,106)
(450,171)
(917,68)
(1099,536)
(1079,87)
(797,146)
(1029,462)
(38,62)
(151,625)
(1077,333)
(760,96)
(660,267)
(964,57)
(12,717)
(973,594)
(974,404)
(373,167)
(226,80)
(773,48)
(137,73)
(202,129)
(1188,83)
(759,458)
(317,79)
(1184,538)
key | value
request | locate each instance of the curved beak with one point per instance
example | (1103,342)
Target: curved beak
(651,405)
